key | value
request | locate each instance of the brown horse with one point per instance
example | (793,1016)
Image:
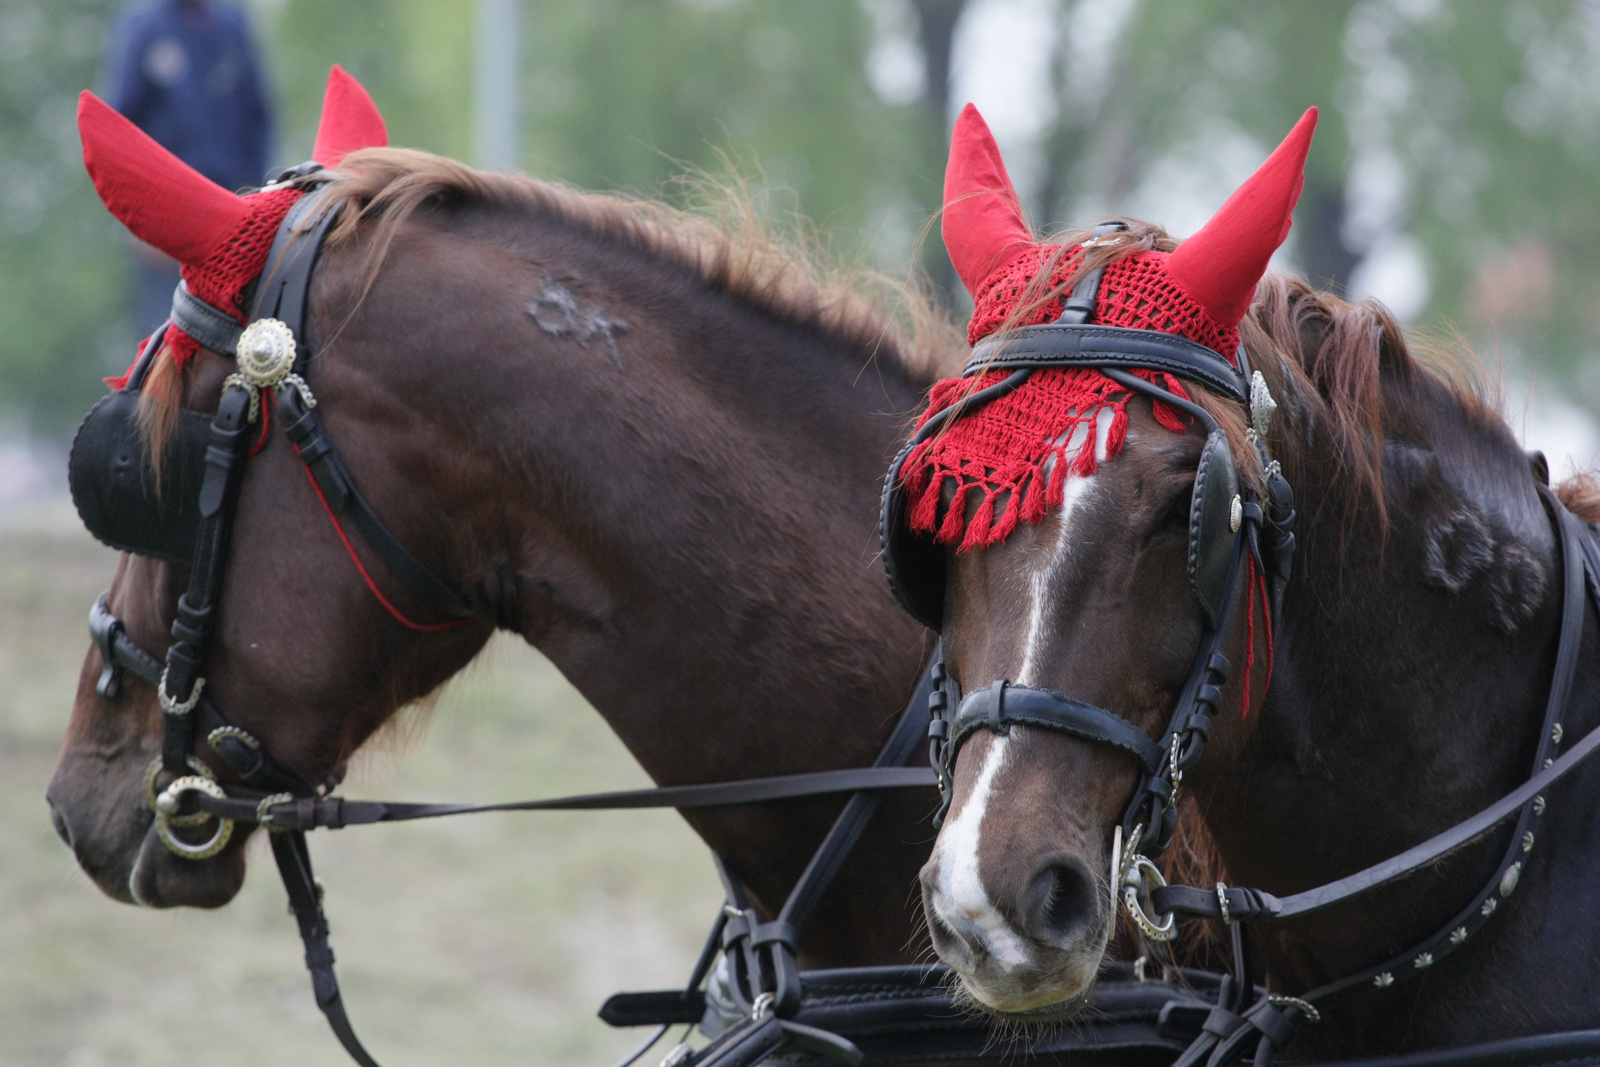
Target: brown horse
(1411,663)
(650,445)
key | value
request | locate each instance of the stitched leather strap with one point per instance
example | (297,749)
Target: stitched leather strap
(334,813)
(1066,344)
(1002,704)
(212,327)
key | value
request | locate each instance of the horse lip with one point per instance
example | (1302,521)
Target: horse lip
(150,848)
(1060,1011)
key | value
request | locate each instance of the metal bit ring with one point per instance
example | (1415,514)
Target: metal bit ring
(167,808)
(154,770)
(1138,871)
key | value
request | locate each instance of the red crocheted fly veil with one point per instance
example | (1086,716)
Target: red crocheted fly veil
(1017,451)
(220,238)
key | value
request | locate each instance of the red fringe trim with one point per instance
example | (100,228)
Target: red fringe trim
(1021,447)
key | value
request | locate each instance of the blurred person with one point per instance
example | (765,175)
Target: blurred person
(186,72)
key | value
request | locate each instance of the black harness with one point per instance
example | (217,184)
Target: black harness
(1225,524)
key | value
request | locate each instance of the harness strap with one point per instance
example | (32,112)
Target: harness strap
(305,901)
(335,813)
(1070,344)
(339,496)
(1004,704)
(212,327)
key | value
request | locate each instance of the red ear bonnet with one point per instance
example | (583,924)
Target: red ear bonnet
(350,120)
(1018,451)
(160,198)
(982,222)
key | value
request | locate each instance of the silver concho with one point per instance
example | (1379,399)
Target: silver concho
(1262,405)
(266,352)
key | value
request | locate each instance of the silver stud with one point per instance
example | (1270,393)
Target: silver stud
(1424,960)
(1548,762)
(1235,514)
(1538,805)
(1488,907)
(1384,980)
(1555,733)
(1458,935)
(1527,841)
(1508,881)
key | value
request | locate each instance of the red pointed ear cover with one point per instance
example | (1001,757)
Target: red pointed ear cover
(982,223)
(350,120)
(1017,452)
(220,239)
(1220,266)
(161,199)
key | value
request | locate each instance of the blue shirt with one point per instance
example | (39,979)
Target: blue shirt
(187,74)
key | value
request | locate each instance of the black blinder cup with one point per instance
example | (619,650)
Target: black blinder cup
(1215,514)
(115,486)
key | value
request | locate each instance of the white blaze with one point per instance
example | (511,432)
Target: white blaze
(961,901)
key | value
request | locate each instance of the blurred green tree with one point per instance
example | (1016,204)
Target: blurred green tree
(62,318)
(621,94)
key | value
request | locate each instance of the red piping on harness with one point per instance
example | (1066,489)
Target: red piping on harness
(425,627)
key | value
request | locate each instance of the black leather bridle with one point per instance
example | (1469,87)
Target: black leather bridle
(1247,1020)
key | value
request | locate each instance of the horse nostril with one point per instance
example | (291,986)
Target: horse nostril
(1063,899)
(59,821)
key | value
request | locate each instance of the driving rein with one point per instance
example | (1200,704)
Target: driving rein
(1227,526)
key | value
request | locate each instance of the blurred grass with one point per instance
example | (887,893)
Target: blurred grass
(479,941)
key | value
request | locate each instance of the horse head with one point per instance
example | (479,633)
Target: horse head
(308,664)
(1055,531)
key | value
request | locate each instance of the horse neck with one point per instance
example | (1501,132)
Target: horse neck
(1400,706)
(673,493)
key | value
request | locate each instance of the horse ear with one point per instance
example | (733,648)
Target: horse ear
(160,198)
(982,222)
(1220,266)
(350,120)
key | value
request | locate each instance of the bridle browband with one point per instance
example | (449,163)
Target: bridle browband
(1241,1024)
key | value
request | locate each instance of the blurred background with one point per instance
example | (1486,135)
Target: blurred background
(1455,176)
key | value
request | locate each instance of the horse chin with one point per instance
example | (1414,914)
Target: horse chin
(161,879)
(1031,1002)
(1035,995)
(108,824)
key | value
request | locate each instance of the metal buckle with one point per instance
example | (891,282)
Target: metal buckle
(170,704)
(166,808)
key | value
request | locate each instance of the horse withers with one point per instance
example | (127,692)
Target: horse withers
(1369,670)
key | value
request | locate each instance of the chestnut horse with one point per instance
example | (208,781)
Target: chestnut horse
(1411,663)
(650,446)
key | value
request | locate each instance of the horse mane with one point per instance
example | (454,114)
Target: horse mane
(1332,357)
(723,240)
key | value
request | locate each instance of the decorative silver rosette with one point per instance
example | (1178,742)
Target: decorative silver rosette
(1261,405)
(266,352)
